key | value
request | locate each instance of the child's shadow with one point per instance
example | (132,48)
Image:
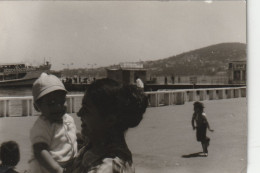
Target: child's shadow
(199,154)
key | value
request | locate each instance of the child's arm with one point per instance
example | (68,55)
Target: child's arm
(44,158)
(192,122)
(208,126)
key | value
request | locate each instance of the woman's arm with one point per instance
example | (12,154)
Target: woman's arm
(41,153)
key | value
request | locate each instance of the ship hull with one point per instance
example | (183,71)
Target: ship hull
(18,83)
(27,80)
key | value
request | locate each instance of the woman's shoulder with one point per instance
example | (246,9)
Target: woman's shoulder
(111,165)
(115,160)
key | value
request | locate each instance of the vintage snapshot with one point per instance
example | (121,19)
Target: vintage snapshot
(123,87)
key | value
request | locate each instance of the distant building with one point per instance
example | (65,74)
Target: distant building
(237,72)
(126,73)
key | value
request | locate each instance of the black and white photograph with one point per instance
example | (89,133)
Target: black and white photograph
(125,87)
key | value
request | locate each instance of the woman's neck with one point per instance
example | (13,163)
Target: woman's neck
(108,139)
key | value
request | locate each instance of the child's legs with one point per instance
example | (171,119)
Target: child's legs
(207,140)
(204,147)
(205,144)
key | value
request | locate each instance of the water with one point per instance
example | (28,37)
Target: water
(23,91)
(16,105)
(10,92)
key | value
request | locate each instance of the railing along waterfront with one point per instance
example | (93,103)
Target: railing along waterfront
(24,107)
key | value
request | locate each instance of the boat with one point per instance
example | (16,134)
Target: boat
(20,74)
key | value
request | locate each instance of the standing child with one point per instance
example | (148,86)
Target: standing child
(202,124)
(10,156)
(53,135)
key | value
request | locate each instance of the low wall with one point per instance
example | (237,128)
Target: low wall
(25,105)
(156,98)
(176,97)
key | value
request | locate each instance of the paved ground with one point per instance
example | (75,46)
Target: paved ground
(165,142)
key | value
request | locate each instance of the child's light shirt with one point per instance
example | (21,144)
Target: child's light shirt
(60,137)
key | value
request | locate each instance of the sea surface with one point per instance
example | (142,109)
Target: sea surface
(22,91)
(16,105)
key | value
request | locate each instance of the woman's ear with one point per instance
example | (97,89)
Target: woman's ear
(36,107)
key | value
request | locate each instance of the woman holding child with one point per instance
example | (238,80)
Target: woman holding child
(108,110)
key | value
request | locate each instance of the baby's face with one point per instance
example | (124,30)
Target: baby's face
(52,105)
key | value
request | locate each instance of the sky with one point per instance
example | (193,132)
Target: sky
(89,34)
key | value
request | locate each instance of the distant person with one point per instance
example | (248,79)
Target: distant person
(9,156)
(139,83)
(53,135)
(172,79)
(70,80)
(75,79)
(202,124)
(79,79)
(85,80)
(108,110)
(165,80)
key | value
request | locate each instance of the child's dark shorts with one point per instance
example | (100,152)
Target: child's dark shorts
(201,134)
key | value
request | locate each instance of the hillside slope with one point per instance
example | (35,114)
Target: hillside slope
(205,61)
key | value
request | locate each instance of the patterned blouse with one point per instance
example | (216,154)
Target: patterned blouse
(114,159)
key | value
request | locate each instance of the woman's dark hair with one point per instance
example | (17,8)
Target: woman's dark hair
(127,102)
(9,153)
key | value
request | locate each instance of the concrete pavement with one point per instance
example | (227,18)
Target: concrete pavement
(165,135)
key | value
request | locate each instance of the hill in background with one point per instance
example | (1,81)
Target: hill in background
(205,61)
(209,60)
